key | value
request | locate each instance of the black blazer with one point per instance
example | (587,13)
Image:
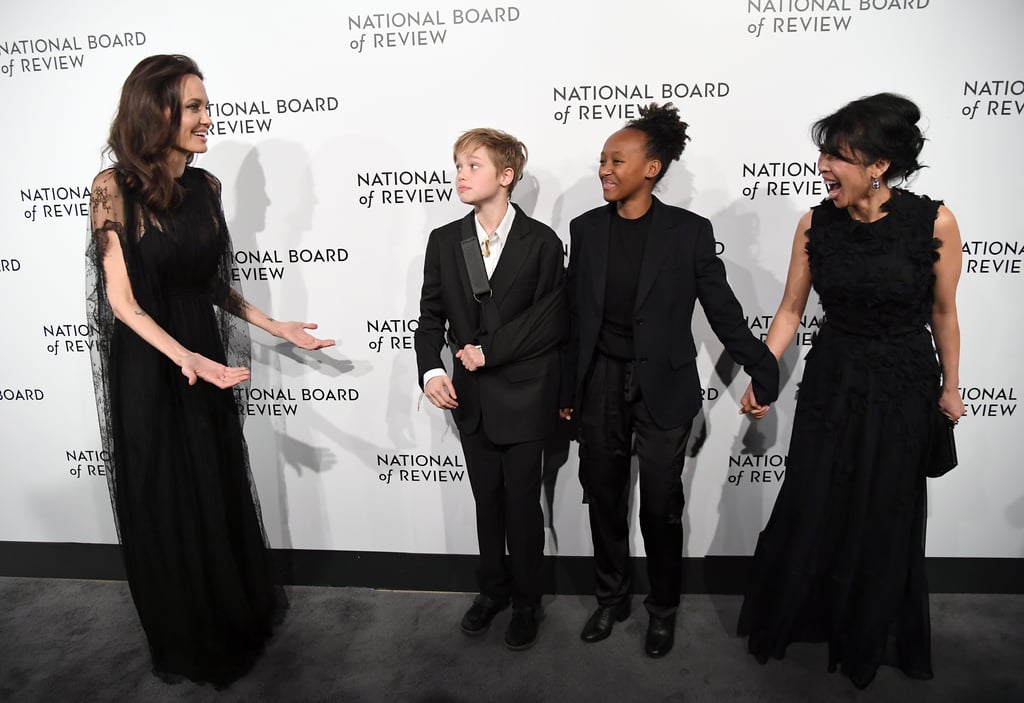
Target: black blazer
(679,266)
(515,395)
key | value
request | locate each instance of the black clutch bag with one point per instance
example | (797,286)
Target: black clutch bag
(941,448)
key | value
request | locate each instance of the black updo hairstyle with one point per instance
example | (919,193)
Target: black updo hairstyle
(882,126)
(665,131)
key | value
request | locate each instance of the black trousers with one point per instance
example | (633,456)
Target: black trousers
(506,481)
(612,413)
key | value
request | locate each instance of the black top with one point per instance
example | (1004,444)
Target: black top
(626,243)
(876,278)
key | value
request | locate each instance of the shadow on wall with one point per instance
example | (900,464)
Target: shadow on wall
(556,448)
(262,230)
(745,231)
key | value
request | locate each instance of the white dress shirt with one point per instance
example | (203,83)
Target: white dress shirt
(497,238)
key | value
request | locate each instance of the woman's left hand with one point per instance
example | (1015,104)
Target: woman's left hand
(295,332)
(951,404)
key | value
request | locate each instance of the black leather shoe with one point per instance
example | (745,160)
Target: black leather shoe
(478,618)
(661,635)
(522,629)
(603,620)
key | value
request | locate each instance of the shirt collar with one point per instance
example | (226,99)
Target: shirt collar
(504,227)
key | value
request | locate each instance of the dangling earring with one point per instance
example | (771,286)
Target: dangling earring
(875,185)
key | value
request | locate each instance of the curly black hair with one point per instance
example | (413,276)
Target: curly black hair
(882,126)
(665,131)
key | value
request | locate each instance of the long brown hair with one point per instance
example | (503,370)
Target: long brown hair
(141,135)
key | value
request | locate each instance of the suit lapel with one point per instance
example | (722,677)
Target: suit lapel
(598,242)
(659,240)
(514,253)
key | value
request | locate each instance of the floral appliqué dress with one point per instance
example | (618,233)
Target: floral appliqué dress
(186,510)
(841,559)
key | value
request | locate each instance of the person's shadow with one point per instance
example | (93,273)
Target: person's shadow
(275,362)
(739,231)
(743,230)
(556,446)
(746,228)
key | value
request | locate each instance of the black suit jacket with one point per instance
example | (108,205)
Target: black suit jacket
(515,395)
(679,267)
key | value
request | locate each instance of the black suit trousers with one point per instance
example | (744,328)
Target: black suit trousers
(612,413)
(506,481)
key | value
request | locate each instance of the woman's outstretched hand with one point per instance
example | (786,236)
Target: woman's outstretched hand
(295,332)
(197,367)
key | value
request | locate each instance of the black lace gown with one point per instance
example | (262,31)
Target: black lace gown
(841,559)
(187,515)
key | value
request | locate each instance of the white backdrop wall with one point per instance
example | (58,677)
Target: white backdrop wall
(333,130)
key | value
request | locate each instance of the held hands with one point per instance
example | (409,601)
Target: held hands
(565,413)
(295,332)
(197,366)
(750,406)
(471,357)
(440,391)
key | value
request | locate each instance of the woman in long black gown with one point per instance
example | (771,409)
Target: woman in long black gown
(841,559)
(165,361)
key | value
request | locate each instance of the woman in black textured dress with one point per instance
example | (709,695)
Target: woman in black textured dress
(841,559)
(164,363)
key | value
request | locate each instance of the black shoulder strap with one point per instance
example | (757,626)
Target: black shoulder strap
(475,268)
(490,318)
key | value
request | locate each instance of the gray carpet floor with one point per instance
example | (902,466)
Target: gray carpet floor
(68,640)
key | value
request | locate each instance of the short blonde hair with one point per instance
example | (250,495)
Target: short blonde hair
(505,150)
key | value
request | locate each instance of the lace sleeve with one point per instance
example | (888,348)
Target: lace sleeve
(234,330)
(220,286)
(107,208)
(107,219)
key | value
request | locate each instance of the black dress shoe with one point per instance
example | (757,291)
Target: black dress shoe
(478,618)
(603,620)
(661,635)
(522,629)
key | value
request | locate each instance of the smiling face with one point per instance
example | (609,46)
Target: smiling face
(847,179)
(195,119)
(627,173)
(477,179)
